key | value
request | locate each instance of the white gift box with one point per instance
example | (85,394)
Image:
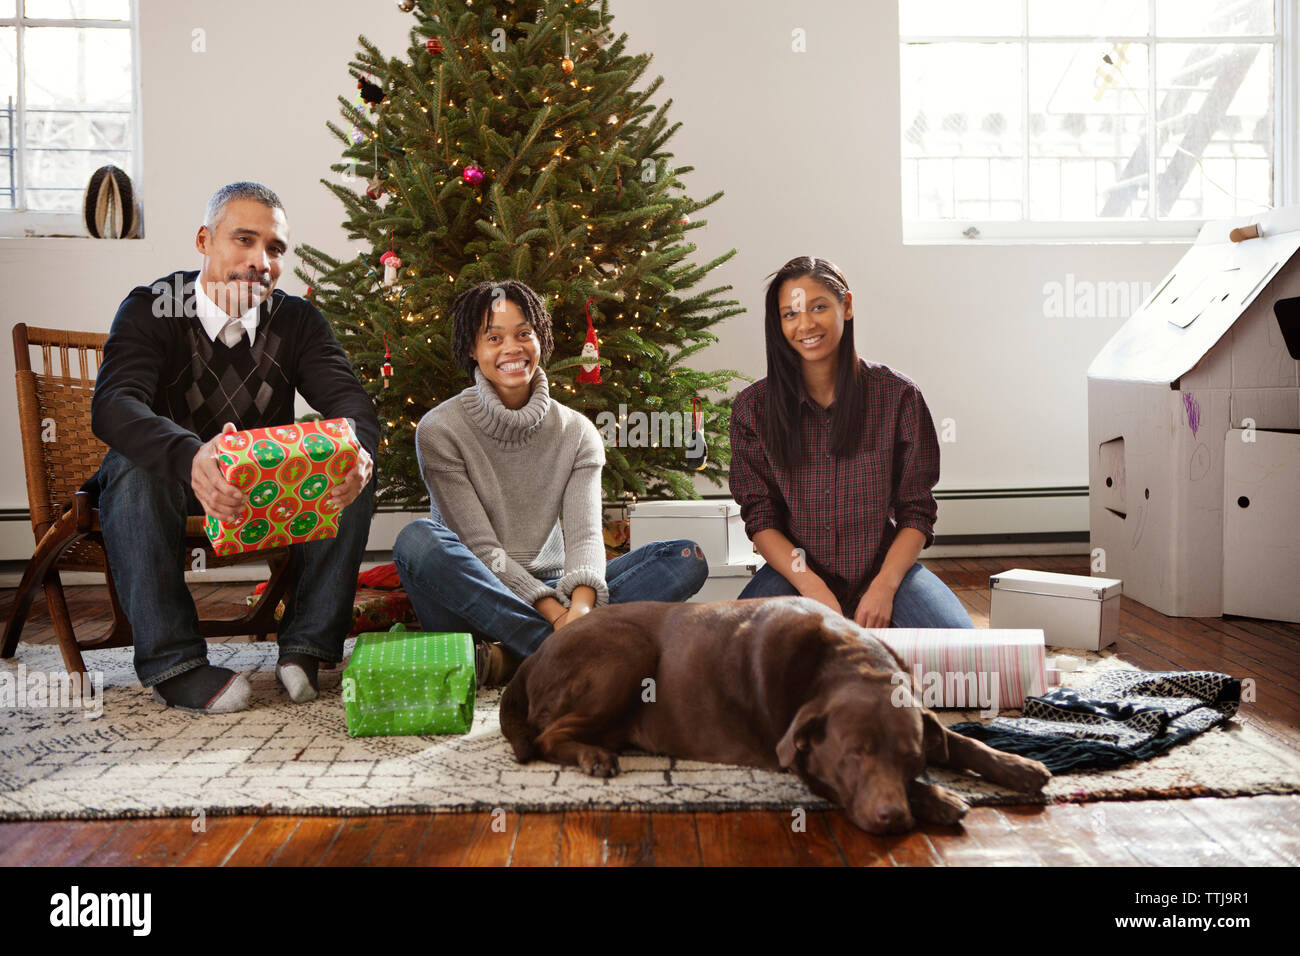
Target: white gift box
(715,525)
(1073,610)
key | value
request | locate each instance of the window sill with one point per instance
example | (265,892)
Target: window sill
(23,242)
(1054,241)
(953,233)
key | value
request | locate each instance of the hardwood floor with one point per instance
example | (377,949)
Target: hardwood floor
(1245,831)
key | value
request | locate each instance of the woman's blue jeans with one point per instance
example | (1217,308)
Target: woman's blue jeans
(451,590)
(142,516)
(922,600)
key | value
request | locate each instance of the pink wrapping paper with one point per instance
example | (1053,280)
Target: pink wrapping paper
(1009,664)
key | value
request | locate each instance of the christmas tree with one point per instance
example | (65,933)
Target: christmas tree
(512,142)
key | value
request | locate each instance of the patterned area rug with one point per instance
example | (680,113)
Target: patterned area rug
(137,759)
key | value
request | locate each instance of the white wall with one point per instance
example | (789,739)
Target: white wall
(805,145)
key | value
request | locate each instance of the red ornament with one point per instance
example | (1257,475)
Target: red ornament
(590,374)
(433,45)
(473,174)
(387,370)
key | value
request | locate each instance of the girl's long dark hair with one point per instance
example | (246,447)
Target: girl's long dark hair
(784,373)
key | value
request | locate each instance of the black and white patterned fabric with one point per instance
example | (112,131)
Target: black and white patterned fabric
(236,384)
(1122,716)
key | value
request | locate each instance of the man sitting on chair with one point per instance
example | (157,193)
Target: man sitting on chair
(188,358)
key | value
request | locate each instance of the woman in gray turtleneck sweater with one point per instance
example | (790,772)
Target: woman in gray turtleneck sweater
(513,548)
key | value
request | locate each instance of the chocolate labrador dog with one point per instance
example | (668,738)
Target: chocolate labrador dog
(776,683)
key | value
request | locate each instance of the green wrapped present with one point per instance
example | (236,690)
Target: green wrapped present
(403,682)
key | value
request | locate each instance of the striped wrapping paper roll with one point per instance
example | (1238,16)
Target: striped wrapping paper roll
(999,667)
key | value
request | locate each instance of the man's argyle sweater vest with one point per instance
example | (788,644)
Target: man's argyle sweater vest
(245,384)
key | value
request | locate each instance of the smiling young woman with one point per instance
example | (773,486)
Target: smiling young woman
(833,463)
(513,548)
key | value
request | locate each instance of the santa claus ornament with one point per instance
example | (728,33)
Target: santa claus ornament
(391,264)
(590,374)
(386,371)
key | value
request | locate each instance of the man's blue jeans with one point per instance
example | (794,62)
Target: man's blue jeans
(143,520)
(922,600)
(451,590)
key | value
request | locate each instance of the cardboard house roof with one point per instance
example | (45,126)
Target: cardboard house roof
(1200,299)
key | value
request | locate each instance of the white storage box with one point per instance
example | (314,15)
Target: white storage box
(726,581)
(714,525)
(1073,610)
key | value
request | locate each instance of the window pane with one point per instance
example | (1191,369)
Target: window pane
(1098,18)
(8,64)
(964,140)
(960,18)
(78,9)
(8,8)
(78,87)
(78,68)
(1192,18)
(1087,130)
(1215,127)
(8,106)
(58,180)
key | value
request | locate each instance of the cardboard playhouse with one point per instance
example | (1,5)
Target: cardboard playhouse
(1194,430)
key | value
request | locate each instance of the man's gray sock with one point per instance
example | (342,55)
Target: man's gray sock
(297,672)
(205,690)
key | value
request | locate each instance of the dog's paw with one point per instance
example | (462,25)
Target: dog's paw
(598,763)
(1025,775)
(931,804)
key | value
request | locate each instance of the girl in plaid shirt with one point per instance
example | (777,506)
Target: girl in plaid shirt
(833,462)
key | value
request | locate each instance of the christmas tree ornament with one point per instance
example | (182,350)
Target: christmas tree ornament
(433,45)
(590,374)
(697,452)
(387,369)
(473,174)
(406,6)
(372,93)
(567,63)
(375,184)
(391,264)
(356,135)
(684,221)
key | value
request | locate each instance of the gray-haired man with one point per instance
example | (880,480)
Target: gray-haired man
(191,356)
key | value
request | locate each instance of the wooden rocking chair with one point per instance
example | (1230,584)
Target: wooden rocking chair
(66,527)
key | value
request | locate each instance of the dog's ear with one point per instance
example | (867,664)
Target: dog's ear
(935,738)
(809,720)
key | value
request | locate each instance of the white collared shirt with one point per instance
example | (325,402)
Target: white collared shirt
(214,318)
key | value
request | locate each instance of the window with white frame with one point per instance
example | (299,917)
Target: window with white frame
(68,105)
(1089,119)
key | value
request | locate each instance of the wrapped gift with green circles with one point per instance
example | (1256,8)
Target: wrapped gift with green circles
(404,682)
